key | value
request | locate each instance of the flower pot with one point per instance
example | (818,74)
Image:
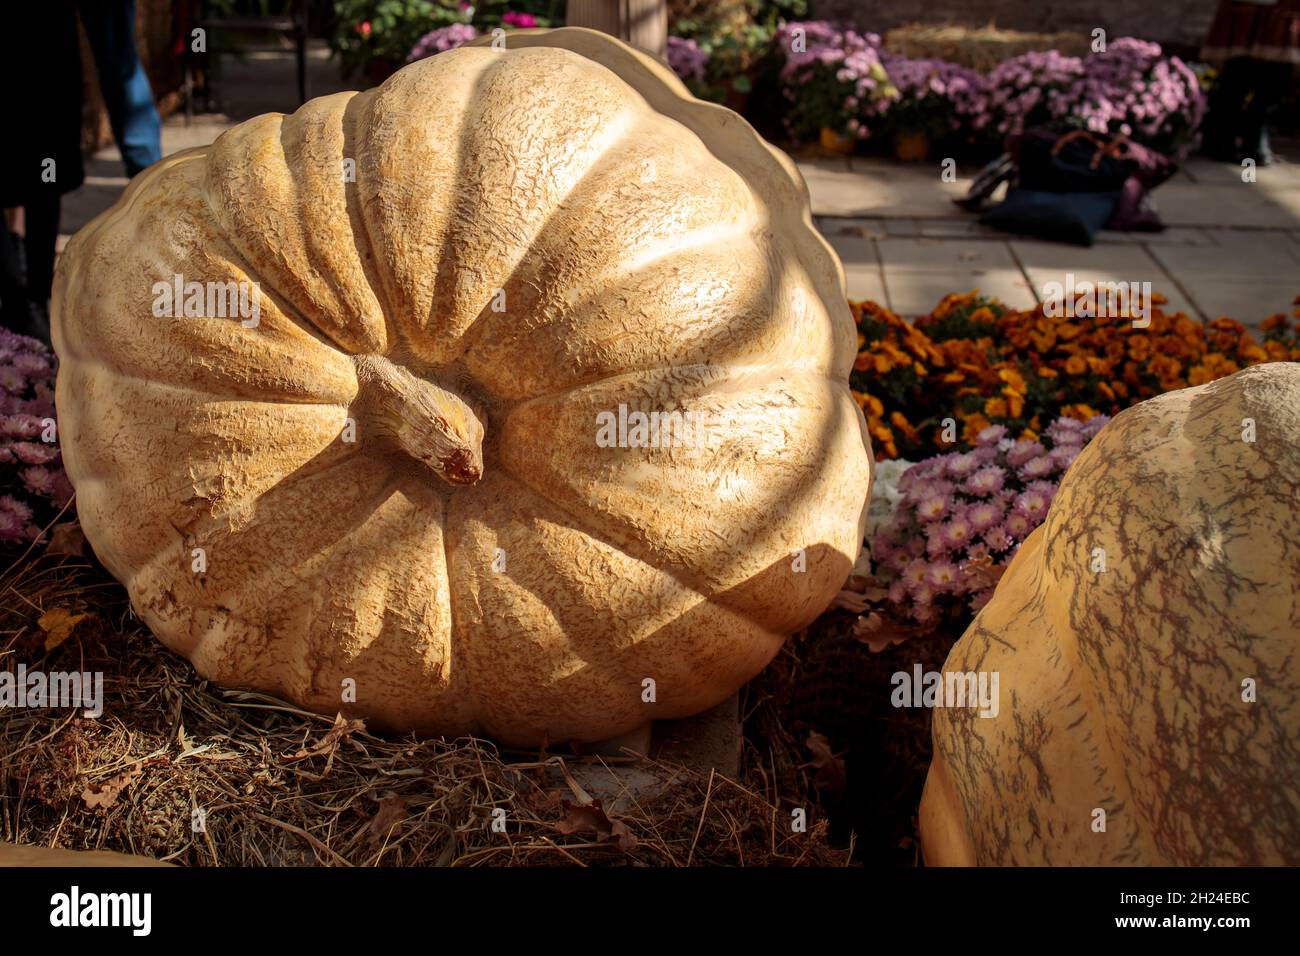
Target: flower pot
(911,146)
(736,100)
(837,142)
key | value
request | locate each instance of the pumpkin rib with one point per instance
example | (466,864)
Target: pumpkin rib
(612,526)
(381,182)
(107,225)
(644,617)
(209,526)
(729,137)
(253,185)
(229,230)
(679,574)
(296,198)
(285,577)
(611,136)
(777,372)
(360,227)
(562,206)
(454,639)
(481,354)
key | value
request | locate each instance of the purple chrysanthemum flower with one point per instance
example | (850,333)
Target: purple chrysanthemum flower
(1022,451)
(932,508)
(984,515)
(986,481)
(1039,466)
(943,576)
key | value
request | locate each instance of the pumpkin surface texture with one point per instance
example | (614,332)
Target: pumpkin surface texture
(1147,641)
(540,395)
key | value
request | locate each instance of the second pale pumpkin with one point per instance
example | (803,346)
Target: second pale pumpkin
(1147,642)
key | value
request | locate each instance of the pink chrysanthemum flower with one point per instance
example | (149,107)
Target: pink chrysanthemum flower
(958,532)
(11,380)
(998,539)
(986,481)
(1018,525)
(18,508)
(1038,467)
(1063,456)
(11,526)
(38,479)
(943,576)
(31,453)
(984,515)
(1033,505)
(914,575)
(1023,451)
(961,466)
(932,508)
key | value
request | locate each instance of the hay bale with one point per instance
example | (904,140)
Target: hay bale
(283,787)
(980,48)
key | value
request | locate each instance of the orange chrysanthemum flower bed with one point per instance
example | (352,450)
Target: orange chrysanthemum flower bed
(972,362)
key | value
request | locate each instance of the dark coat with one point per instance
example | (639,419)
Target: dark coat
(40,100)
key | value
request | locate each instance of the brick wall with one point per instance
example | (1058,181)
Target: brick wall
(1179,23)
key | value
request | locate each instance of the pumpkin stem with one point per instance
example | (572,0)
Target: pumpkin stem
(429,423)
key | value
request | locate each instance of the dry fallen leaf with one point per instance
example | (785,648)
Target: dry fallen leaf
(831,774)
(59,624)
(391,811)
(67,538)
(592,818)
(858,594)
(983,571)
(328,745)
(105,792)
(879,632)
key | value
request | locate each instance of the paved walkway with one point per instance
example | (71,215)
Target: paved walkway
(1233,248)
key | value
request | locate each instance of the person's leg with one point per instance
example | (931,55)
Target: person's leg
(42,224)
(13,283)
(1269,82)
(110,27)
(25,293)
(1221,127)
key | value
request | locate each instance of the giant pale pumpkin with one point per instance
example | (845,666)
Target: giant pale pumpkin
(414,463)
(1147,641)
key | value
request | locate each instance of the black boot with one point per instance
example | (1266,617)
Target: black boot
(1261,151)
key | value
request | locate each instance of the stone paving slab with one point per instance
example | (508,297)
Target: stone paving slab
(896,190)
(1249,301)
(1275,259)
(1201,170)
(1172,236)
(1137,262)
(945,255)
(916,293)
(866,284)
(1240,204)
(1231,247)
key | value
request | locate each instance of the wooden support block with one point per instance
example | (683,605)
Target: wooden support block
(643,23)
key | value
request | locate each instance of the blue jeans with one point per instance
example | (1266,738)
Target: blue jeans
(110,27)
